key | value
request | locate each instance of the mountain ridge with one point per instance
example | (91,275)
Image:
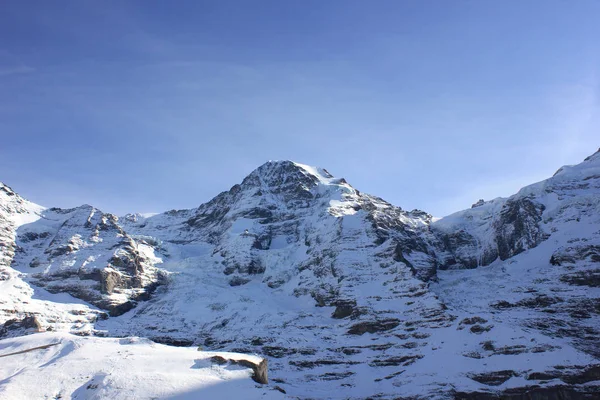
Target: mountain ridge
(335,286)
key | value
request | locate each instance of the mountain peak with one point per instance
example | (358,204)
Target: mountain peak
(289,177)
(277,173)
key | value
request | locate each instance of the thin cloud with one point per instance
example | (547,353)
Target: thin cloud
(7,71)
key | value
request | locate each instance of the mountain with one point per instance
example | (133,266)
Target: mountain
(543,248)
(347,295)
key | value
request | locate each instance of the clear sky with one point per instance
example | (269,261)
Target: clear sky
(153,105)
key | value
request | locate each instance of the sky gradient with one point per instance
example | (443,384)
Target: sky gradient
(146,106)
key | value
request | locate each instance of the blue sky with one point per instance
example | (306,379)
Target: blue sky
(153,105)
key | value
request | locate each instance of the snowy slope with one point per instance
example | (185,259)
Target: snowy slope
(347,295)
(14,212)
(50,255)
(552,284)
(502,228)
(17,298)
(84,252)
(129,368)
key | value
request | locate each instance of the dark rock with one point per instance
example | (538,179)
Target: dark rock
(473,354)
(539,301)
(473,320)
(518,227)
(276,387)
(488,345)
(17,327)
(177,342)
(259,371)
(316,363)
(395,361)
(218,360)
(119,309)
(238,281)
(278,352)
(572,254)
(589,374)
(535,393)
(256,341)
(544,376)
(110,280)
(373,326)
(334,376)
(479,203)
(589,278)
(495,378)
(511,350)
(343,309)
(479,329)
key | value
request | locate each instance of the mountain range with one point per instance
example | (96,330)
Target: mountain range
(346,295)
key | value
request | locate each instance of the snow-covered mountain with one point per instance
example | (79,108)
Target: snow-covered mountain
(347,295)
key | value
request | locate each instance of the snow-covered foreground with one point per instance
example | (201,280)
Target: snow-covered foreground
(74,367)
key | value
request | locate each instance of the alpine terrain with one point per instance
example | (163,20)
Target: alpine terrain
(342,294)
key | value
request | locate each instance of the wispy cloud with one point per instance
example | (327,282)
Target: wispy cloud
(15,70)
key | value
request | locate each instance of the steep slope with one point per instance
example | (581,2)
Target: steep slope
(548,235)
(503,228)
(14,212)
(85,253)
(48,254)
(24,309)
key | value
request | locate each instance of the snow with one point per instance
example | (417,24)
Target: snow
(323,176)
(125,368)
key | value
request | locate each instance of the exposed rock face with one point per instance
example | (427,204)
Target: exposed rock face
(503,228)
(518,227)
(14,210)
(508,228)
(85,253)
(18,327)
(260,373)
(80,251)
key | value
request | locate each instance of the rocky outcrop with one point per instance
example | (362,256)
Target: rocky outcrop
(86,253)
(20,326)
(507,228)
(260,373)
(518,227)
